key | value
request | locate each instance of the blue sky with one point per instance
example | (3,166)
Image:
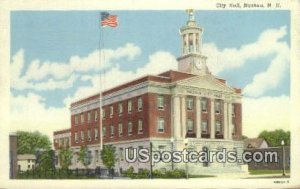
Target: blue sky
(54,37)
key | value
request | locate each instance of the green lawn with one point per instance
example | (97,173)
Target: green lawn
(263,172)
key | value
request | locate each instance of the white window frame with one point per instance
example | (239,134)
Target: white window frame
(120,108)
(218,127)
(96,133)
(189,103)
(76,120)
(82,118)
(160,102)
(204,123)
(129,128)
(204,104)
(89,135)
(111,111)
(76,137)
(129,106)
(233,110)
(140,103)
(82,135)
(112,132)
(217,107)
(190,121)
(89,117)
(161,125)
(104,131)
(140,126)
(96,115)
(120,129)
(103,113)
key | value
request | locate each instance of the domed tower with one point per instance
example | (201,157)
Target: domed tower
(191,59)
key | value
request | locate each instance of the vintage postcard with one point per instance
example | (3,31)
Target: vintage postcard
(192,95)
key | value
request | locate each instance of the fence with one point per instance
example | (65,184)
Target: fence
(97,173)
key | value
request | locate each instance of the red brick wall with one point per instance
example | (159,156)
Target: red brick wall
(155,113)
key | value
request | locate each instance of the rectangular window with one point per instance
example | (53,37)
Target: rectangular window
(111,111)
(218,127)
(120,129)
(76,120)
(89,135)
(121,154)
(96,115)
(160,102)
(96,155)
(89,117)
(96,134)
(218,107)
(104,131)
(204,126)
(103,113)
(160,125)
(233,129)
(190,125)
(140,104)
(76,137)
(120,109)
(82,118)
(82,135)
(140,126)
(204,105)
(190,103)
(232,110)
(129,128)
(129,106)
(111,131)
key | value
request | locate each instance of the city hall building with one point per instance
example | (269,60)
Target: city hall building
(163,110)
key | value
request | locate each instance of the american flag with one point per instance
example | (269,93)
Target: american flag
(109,20)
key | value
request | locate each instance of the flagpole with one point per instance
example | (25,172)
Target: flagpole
(100,85)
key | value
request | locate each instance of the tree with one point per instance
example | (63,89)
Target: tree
(31,142)
(45,160)
(84,156)
(65,157)
(274,138)
(108,156)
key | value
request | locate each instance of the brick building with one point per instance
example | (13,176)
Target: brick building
(187,103)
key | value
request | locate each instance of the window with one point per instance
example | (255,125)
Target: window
(129,106)
(89,117)
(160,102)
(190,103)
(160,125)
(204,126)
(218,107)
(190,125)
(104,131)
(111,111)
(96,155)
(204,105)
(129,128)
(96,115)
(233,129)
(232,110)
(140,104)
(76,137)
(82,118)
(218,127)
(103,113)
(82,135)
(121,154)
(120,129)
(96,134)
(140,126)
(120,109)
(89,135)
(76,120)
(111,131)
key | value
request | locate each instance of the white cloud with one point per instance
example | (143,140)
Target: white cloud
(62,75)
(158,63)
(29,113)
(265,113)
(268,43)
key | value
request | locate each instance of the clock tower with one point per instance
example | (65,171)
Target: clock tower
(191,59)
